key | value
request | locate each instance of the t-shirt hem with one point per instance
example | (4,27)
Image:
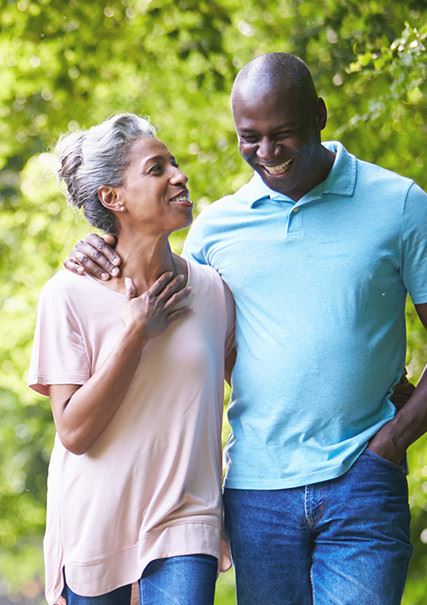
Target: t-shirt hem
(419,299)
(291,482)
(126,566)
(41,383)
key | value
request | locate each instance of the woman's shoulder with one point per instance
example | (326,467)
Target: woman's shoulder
(68,287)
(204,274)
(207,283)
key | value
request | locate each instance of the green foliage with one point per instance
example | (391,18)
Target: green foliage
(65,65)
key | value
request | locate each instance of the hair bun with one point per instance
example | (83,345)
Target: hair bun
(70,156)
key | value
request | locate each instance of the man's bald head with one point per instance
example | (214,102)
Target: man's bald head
(274,72)
(279,118)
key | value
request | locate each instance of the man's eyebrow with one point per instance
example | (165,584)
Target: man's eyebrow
(283,126)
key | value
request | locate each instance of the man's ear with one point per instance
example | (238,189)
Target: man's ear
(109,198)
(322,113)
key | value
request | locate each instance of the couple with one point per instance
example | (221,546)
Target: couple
(319,250)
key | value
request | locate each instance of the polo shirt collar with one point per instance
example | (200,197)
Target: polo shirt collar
(340,181)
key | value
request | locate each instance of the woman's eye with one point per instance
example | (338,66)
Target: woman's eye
(155,169)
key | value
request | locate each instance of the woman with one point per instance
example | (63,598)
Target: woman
(134,371)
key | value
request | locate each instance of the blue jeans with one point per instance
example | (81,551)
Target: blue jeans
(339,542)
(184,580)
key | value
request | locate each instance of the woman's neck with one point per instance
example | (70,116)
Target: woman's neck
(144,259)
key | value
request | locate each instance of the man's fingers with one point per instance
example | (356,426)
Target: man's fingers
(90,257)
(130,288)
(109,239)
(104,246)
(89,266)
(74,267)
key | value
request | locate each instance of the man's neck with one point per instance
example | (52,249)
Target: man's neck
(324,162)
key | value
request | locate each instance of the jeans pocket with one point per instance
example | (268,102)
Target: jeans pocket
(397,467)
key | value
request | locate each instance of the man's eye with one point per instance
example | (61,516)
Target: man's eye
(249,138)
(155,169)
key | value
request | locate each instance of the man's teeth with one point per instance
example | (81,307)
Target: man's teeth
(280,169)
(181,198)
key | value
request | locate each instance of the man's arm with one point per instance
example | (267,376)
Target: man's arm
(95,255)
(402,391)
(393,439)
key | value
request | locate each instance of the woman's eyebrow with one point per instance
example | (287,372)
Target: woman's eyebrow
(154,158)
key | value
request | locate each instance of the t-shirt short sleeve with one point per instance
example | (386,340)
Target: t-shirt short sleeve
(414,244)
(58,355)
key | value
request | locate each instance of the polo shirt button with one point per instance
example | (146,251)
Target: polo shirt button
(295,210)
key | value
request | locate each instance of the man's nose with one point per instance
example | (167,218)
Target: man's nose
(266,149)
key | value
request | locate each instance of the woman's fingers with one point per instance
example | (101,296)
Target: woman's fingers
(178,314)
(160,284)
(177,298)
(130,288)
(177,284)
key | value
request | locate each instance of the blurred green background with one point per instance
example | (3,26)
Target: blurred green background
(70,64)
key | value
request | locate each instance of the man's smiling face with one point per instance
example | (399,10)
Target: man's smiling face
(279,136)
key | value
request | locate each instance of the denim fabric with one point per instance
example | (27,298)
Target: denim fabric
(184,580)
(338,542)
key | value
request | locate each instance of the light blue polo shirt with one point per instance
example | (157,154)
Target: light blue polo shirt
(320,288)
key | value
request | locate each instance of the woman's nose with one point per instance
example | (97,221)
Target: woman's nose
(179,176)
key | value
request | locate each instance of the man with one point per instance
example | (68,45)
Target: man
(319,250)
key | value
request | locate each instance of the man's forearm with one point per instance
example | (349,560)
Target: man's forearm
(410,423)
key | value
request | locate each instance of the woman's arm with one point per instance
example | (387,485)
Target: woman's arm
(82,413)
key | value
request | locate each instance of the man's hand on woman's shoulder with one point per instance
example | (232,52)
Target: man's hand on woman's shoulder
(95,255)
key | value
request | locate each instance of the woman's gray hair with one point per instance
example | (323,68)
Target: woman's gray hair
(99,156)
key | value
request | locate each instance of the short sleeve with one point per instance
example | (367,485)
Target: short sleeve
(58,354)
(414,244)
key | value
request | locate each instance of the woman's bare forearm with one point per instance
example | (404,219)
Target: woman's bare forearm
(81,418)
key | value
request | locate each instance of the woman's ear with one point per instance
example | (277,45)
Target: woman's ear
(109,198)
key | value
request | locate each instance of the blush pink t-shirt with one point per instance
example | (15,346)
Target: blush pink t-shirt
(150,485)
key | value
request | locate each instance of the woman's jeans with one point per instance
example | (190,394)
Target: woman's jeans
(184,580)
(339,542)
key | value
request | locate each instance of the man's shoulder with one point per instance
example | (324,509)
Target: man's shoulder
(376,175)
(229,204)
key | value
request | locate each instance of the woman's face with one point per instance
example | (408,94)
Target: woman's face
(154,192)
